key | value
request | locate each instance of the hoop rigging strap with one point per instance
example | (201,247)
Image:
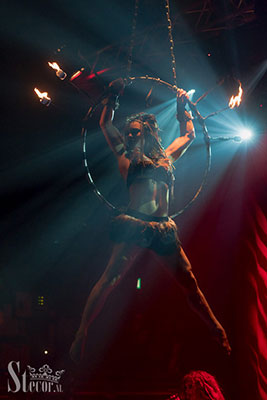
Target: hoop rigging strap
(130,57)
(133,36)
(169,21)
(197,115)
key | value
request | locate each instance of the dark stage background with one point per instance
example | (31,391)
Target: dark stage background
(54,231)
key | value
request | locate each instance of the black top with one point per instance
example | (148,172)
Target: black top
(149,170)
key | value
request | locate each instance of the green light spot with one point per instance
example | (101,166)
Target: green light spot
(138,284)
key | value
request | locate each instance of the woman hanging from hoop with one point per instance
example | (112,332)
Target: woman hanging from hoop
(147,170)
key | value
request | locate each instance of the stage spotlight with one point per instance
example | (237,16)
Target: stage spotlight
(45,351)
(245,134)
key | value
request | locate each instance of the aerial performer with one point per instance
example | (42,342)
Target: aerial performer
(147,169)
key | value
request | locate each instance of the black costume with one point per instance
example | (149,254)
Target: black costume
(149,170)
(155,233)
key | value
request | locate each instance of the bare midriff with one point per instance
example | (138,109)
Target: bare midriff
(149,197)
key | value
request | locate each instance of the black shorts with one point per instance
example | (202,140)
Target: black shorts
(156,233)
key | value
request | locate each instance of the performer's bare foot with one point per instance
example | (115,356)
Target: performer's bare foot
(220,336)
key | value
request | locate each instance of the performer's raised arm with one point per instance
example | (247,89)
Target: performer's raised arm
(113,136)
(111,133)
(187,132)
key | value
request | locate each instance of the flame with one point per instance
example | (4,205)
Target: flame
(41,95)
(54,65)
(236,100)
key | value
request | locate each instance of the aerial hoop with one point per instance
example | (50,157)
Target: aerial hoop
(97,192)
(159,81)
(197,116)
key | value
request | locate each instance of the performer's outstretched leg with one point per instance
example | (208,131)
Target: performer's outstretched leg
(120,260)
(181,268)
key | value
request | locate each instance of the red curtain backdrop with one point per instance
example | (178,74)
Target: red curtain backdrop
(251,326)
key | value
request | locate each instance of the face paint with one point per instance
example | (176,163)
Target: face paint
(134,133)
(134,136)
(141,138)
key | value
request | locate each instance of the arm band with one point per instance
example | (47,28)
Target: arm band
(184,116)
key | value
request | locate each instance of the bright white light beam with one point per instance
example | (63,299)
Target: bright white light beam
(245,134)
